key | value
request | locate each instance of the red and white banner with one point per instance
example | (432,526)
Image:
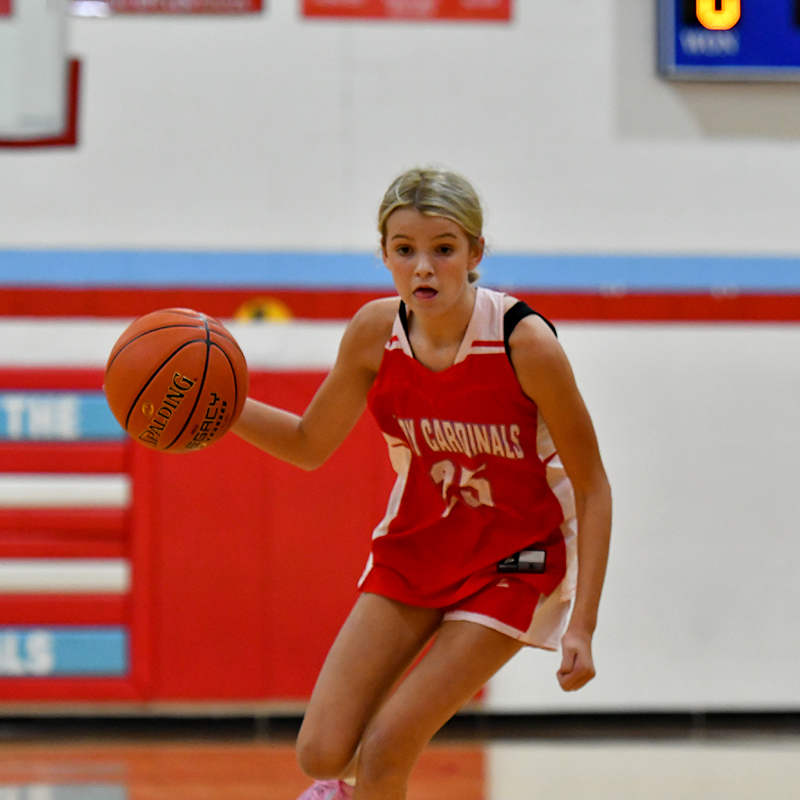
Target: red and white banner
(489,10)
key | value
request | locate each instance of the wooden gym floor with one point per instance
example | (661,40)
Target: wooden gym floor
(727,757)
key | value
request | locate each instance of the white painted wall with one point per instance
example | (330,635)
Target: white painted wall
(698,429)
(275,132)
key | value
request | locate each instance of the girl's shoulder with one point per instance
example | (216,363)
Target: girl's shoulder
(530,323)
(376,318)
(371,328)
(381,311)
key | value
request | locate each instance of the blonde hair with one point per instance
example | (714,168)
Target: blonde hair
(436,193)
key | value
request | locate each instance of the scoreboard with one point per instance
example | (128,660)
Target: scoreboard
(755,40)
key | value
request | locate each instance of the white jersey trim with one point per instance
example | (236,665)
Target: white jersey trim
(484,334)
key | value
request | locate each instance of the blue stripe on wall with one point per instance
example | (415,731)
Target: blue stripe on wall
(118,269)
(56,417)
(100,651)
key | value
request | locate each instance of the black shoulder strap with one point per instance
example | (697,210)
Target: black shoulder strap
(403,317)
(511,318)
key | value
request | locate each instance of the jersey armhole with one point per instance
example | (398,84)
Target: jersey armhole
(512,317)
(403,314)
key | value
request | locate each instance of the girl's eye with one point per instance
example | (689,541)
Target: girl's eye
(402,250)
(445,249)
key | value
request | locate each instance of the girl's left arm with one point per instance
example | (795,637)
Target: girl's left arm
(547,378)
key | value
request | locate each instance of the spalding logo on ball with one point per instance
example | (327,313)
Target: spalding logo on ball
(176,380)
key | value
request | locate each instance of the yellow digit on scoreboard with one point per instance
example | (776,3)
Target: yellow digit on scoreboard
(718,15)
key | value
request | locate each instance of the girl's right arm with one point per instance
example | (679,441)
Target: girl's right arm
(308,440)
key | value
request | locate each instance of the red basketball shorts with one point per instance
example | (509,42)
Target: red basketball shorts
(512,606)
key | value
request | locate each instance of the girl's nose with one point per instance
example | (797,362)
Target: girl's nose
(423,266)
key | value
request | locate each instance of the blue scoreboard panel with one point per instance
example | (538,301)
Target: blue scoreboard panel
(729,39)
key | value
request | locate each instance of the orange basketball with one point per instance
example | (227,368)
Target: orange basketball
(176,380)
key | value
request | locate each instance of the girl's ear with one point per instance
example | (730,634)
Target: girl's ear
(477,251)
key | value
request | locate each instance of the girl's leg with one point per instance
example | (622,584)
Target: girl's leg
(374,649)
(462,658)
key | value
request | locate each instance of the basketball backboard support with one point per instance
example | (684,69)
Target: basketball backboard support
(38,81)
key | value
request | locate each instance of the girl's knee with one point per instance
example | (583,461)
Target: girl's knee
(387,754)
(322,757)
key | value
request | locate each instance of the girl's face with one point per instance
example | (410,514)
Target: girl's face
(430,259)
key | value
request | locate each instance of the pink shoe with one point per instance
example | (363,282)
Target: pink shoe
(328,790)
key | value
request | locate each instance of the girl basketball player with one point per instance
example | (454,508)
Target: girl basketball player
(500,495)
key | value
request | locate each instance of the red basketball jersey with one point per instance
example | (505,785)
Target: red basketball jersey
(480,489)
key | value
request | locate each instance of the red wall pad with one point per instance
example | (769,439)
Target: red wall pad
(242,568)
(257,561)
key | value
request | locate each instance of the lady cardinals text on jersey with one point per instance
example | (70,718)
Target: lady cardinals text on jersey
(471,439)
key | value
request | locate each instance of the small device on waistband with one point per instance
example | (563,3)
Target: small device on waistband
(524,561)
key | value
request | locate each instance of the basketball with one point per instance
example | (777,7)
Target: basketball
(176,380)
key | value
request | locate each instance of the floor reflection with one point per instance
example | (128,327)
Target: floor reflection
(93,770)
(740,768)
